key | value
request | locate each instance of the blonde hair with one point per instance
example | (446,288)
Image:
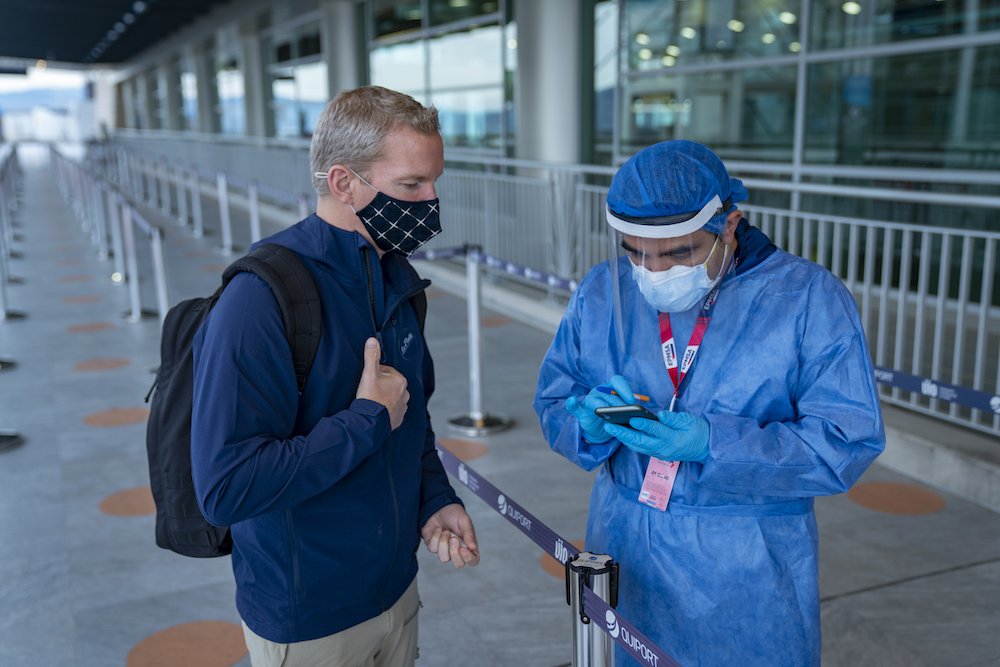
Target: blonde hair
(353,126)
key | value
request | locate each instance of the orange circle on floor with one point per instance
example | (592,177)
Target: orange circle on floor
(433,293)
(554,567)
(130,502)
(79,278)
(195,253)
(117,417)
(86,298)
(68,262)
(89,326)
(101,364)
(465,450)
(198,644)
(894,498)
(214,268)
(489,322)
(180,240)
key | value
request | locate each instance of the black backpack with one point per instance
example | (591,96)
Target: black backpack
(180,525)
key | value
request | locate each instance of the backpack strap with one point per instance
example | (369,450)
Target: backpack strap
(297,296)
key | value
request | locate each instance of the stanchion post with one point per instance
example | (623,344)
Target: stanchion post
(182,203)
(159,273)
(591,646)
(133,266)
(197,220)
(303,207)
(100,221)
(118,277)
(254,212)
(163,169)
(227,231)
(476,422)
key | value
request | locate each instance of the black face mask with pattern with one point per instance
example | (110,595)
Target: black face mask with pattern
(401,226)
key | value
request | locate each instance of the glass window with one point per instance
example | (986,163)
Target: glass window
(395,16)
(299,95)
(229,84)
(399,67)
(445,11)
(743,114)
(189,101)
(605,72)
(665,33)
(470,118)
(924,109)
(469,58)
(839,23)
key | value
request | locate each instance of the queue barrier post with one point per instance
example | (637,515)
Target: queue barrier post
(8,439)
(159,273)
(100,221)
(591,645)
(182,204)
(135,299)
(224,222)
(476,422)
(163,169)
(196,217)
(303,207)
(114,219)
(254,212)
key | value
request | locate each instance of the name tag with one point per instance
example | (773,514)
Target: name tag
(658,484)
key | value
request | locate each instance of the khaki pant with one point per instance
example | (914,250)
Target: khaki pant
(388,640)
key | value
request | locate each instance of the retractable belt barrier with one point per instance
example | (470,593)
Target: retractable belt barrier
(620,630)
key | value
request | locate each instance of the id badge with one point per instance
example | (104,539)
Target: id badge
(658,484)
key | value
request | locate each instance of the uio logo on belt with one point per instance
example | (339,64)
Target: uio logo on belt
(502,504)
(612,622)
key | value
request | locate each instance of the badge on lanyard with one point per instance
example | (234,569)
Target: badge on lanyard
(660,475)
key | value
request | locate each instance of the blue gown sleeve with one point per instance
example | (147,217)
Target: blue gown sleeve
(435,489)
(244,459)
(837,430)
(560,377)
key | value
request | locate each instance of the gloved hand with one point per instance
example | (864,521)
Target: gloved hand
(583,409)
(676,436)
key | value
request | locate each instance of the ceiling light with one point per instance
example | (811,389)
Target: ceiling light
(673,50)
(119,27)
(669,61)
(645,54)
(642,38)
(129,18)
(112,35)
(767,38)
(787,18)
(688,33)
(139,7)
(735,26)
(851,8)
(457,4)
(794,47)
(512,43)
(41,64)
(721,44)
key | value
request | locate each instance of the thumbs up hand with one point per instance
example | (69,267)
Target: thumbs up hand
(383,384)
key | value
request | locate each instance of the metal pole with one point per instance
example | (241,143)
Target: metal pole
(163,168)
(159,273)
(227,232)
(254,212)
(182,203)
(133,267)
(118,277)
(123,180)
(303,207)
(199,229)
(101,220)
(591,646)
(476,422)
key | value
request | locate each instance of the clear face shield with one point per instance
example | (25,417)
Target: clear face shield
(662,275)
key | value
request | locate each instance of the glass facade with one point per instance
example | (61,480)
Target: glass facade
(297,82)
(189,100)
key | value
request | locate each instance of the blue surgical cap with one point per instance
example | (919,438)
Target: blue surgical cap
(673,178)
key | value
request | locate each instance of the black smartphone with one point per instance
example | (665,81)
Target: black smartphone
(620,414)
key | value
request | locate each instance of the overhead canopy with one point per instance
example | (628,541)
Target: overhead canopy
(72,31)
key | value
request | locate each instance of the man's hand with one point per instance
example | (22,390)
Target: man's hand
(449,533)
(383,384)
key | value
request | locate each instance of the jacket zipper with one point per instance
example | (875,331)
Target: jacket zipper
(388,455)
(294,551)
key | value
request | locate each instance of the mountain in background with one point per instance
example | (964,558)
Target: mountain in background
(54,98)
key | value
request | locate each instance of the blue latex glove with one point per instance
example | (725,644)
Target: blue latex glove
(583,408)
(676,436)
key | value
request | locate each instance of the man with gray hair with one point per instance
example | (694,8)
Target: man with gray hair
(329,491)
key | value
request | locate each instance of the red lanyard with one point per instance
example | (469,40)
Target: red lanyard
(670,348)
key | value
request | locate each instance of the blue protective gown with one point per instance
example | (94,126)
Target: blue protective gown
(728,574)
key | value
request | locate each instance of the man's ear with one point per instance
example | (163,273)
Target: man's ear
(729,231)
(338,180)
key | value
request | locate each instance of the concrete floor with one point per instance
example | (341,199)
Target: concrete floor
(81,588)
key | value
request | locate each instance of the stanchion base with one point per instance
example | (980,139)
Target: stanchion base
(14,315)
(224,253)
(7,365)
(488,425)
(18,238)
(145,315)
(15,254)
(10,440)
(15,280)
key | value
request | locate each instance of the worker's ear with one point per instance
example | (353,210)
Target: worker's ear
(728,234)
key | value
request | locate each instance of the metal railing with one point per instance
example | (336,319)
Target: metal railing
(102,211)
(929,296)
(9,174)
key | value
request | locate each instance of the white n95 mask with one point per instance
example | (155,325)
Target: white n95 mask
(679,288)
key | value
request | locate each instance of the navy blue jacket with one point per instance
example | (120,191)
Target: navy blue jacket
(324,500)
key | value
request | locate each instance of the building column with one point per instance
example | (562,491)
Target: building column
(127,90)
(338,34)
(548,93)
(169,83)
(253,80)
(144,114)
(207,95)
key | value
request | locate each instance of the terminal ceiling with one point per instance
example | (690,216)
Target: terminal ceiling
(71,31)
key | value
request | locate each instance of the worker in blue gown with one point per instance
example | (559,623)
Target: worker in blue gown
(755,365)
